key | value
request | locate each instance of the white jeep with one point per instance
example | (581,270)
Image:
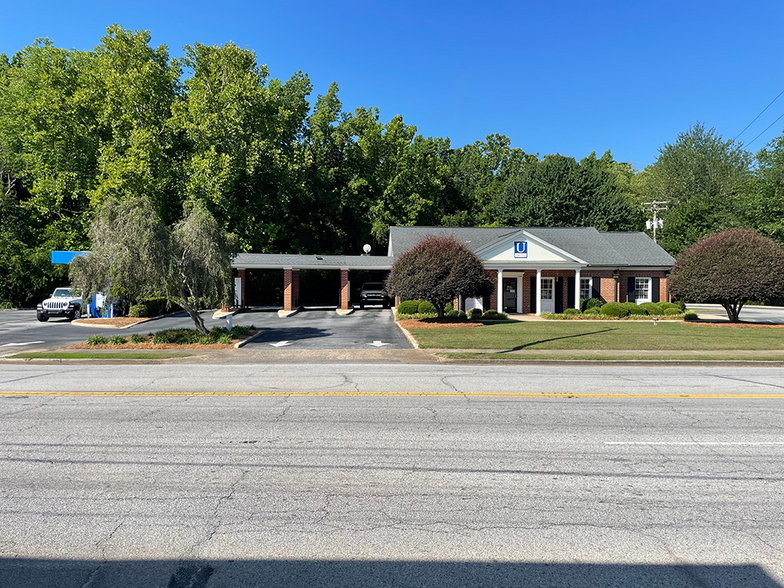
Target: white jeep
(62,303)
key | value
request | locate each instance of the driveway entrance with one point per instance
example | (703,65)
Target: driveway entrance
(324,329)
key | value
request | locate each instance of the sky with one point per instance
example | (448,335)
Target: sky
(555,77)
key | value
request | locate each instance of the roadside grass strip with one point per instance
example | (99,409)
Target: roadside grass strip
(95,355)
(354,393)
(523,356)
(600,336)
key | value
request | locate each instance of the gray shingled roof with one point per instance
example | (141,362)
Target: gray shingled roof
(586,243)
(279,260)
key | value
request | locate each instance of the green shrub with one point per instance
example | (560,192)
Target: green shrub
(670,305)
(690,316)
(633,308)
(475,313)
(224,339)
(426,307)
(571,312)
(593,311)
(680,304)
(117,340)
(494,315)
(137,338)
(448,306)
(652,308)
(616,309)
(551,316)
(591,303)
(97,340)
(138,311)
(205,340)
(671,312)
(160,339)
(408,307)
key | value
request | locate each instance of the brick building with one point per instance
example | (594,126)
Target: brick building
(534,270)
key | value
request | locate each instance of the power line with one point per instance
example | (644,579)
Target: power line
(766,128)
(760,114)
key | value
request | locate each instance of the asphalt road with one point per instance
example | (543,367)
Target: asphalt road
(352,491)
(310,329)
(773,315)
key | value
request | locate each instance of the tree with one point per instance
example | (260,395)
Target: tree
(730,268)
(138,255)
(438,269)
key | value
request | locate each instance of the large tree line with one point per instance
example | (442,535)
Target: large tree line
(288,173)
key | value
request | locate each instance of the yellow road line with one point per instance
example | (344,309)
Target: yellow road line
(359,394)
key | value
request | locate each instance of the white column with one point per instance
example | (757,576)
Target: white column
(500,291)
(577,288)
(538,291)
(520,295)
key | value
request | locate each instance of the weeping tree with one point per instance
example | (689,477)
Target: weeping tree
(730,268)
(438,269)
(136,253)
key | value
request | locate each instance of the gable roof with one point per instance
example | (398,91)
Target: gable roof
(616,249)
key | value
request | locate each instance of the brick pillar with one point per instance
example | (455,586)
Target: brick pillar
(241,276)
(290,289)
(344,289)
(493,275)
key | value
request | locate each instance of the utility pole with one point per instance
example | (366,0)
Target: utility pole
(655,206)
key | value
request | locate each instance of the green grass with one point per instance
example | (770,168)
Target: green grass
(599,356)
(639,336)
(95,355)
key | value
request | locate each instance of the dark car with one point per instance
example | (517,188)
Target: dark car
(373,293)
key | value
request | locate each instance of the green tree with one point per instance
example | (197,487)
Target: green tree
(730,268)
(765,206)
(134,252)
(706,180)
(438,269)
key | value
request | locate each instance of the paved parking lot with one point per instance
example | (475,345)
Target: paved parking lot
(309,329)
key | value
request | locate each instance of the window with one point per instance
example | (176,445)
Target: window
(586,285)
(643,288)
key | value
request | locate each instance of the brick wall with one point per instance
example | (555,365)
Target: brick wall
(290,289)
(344,289)
(493,275)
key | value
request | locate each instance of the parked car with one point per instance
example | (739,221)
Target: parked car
(62,303)
(373,293)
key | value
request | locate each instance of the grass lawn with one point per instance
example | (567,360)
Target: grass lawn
(610,356)
(95,355)
(599,336)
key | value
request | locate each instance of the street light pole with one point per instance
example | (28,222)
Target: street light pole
(655,206)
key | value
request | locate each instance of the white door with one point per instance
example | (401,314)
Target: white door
(548,295)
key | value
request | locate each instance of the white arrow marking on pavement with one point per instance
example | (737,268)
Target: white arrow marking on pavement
(280,343)
(378,344)
(21,344)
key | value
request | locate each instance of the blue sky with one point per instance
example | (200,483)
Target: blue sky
(556,77)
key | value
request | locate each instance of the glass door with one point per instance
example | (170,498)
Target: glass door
(510,295)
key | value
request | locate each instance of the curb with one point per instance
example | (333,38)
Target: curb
(408,335)
(241,344)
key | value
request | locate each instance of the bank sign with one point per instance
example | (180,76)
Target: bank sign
(521,250)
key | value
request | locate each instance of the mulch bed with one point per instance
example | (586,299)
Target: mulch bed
(735,325)
(120,321)
(192,346)
(434,323)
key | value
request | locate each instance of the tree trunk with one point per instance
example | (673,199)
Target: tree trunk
(733,310)
(440,310)
(194,314)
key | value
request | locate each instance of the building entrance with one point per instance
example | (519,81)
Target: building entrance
(510,295)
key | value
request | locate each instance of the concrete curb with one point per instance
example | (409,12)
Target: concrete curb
(344,312)
(408,335)
(287,313)
(244,342)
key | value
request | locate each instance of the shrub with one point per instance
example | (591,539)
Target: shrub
(672,312)
(671,305)
(225,339)
(475,313)
(408,307)
(494,315)
(137,338)
(138,311)
(160,339)
(616,309)
(652,308)
(690,316)
(426,307)
(633,308)
(593,311)
(205,340)
(571,312)
(97,340)
(591,303)
(117,340)
(551,316)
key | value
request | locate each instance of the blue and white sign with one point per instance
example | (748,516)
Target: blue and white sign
(521,250)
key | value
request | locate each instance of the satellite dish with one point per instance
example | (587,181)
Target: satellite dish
(366,249)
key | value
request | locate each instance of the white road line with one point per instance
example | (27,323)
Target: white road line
(21,344)
(711,443)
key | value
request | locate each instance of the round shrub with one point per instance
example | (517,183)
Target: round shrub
(494,315)
(97,340)
(454,314)
(138,311)
(670,305)
(408,307)
(426,307)
(616,309)
(137,338)
(591,303)
(225,339)
(448,307)
(117,340)
(593,311)
(690,316)
(571,312)
(672,311)
(634,308)
(652,308)
(475,313)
